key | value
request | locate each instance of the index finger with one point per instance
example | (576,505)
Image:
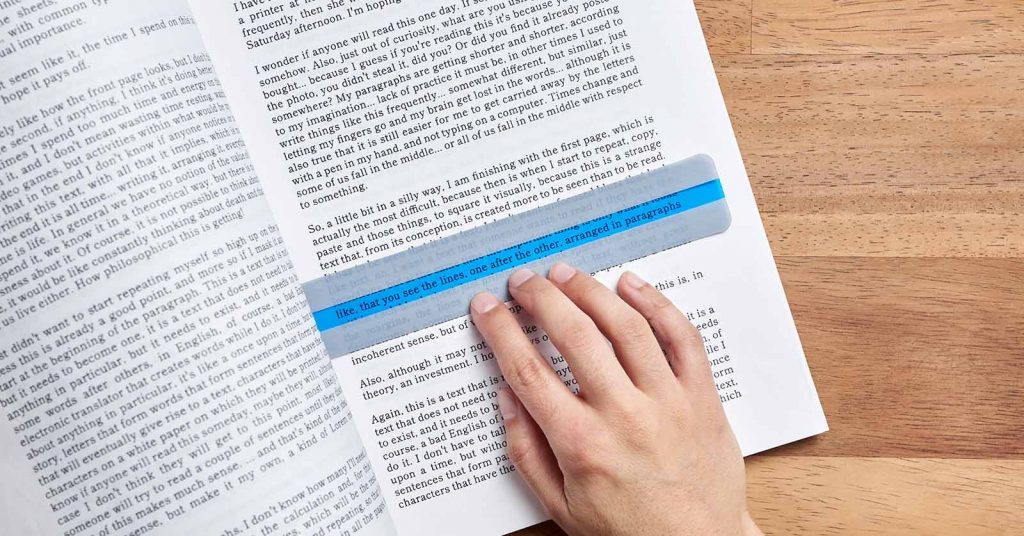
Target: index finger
(527,372)
(592,361)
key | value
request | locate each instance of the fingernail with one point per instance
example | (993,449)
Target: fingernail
(633,281)
(484,302)
(507,404)
(520,277)
(561,273)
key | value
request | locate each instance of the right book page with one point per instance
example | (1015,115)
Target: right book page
(378,127)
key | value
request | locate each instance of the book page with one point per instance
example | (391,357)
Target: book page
(159,370)
(382,126)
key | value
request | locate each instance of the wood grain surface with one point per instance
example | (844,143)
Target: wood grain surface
(885,142)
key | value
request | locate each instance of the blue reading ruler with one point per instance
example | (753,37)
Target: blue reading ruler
(431,284)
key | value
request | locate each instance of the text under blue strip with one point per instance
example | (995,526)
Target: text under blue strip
(510,258)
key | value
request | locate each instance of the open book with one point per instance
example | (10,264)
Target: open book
(178,182)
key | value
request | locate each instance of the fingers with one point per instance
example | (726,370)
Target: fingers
(592,361)
(629,332)
(683,344)
(530,452)
(526,371)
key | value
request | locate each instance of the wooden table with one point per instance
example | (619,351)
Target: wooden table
(885,142)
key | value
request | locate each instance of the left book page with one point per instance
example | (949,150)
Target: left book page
(159,372)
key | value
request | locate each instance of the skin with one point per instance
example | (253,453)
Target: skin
(644,448)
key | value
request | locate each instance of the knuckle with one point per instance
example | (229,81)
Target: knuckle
(527,371)
(589,291)
(578,336)
(589,457)
(677,332)
(643,430)
(633,330)
(689,336)
(519,453)
(588,460)
(639,424)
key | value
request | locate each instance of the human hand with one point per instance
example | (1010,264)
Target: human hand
(645,448)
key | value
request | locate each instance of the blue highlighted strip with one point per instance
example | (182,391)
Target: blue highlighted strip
(510,258)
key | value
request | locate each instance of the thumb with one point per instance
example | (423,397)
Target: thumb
(529,451)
